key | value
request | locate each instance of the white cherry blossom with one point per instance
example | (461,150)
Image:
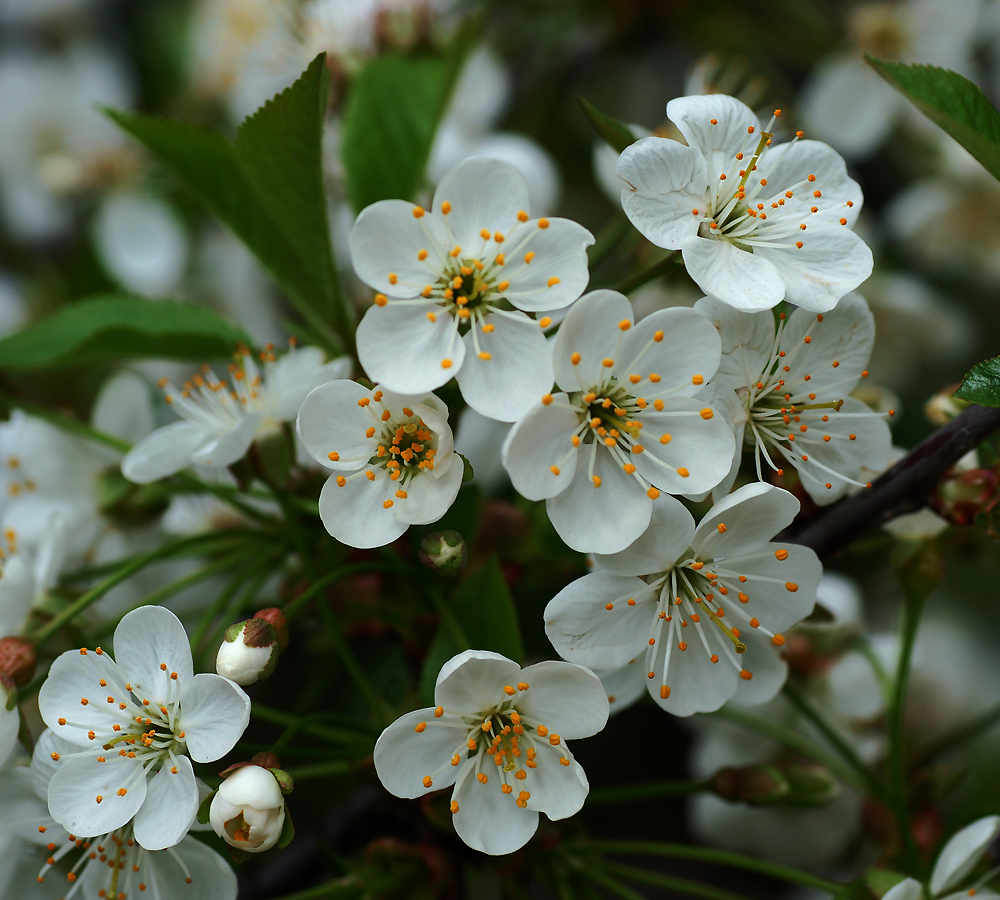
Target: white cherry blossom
(625,424)
(138,719)
(786,391)
(221,420)
(707,604)
(456,283)
(393,458)
(51,863)
(955,861)
(248,811)
(754,224)
(498,734)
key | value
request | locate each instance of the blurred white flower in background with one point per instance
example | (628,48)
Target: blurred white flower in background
(142,243)
(54,143)
(847,104)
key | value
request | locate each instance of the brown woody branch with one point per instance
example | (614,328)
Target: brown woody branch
(905,488)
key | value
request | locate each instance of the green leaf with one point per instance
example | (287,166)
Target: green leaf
(614,131)
(483,609)
(121,327)
(287,830)
(280,150)
(267,190)
(952,101)
(982,384)
(205,809)
(881,881)
(392,115)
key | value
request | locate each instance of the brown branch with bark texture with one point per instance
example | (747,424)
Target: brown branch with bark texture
(904,488)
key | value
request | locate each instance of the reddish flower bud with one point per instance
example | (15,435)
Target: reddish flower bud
(18,659)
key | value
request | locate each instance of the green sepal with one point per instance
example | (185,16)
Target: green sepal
(205,808)
(287,830)
(239,856)
(468,473)
(614,132)
(285,781)
(881,881)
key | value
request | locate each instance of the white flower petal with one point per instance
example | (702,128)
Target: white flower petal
(557,272)
(332,421)
(680,439)
(556,789)
(518,372)
(832,261)
(960,855)
(150,645)
(568,699)
(295,374)
(17,591)
(584,631)
(22,808)
(908,889)
(781,589)
(751,516)
(75,677)
(489,820)
(43,766)
(604,519)
(665,182)
(385,241)
(746,341)
(355,515)
(846,336)
(764,661)
(403,756)
(123,407)
(170,807)
(730,134)
(164,452)
(846,458)
(541,440)
(626,685)
(485,194)
(402,348)
(696,684)
(591,331)
(669,534)
(10,723)
(428,498)
(75,787)
(232,446)
(746,281)
(214,714)
(474,680)
(686,356)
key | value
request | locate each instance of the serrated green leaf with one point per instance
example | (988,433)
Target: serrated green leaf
(952,101)
(484,611)
(280,150)
(982,384)
(392,115)
(243,187)
(121,327)
(614,131)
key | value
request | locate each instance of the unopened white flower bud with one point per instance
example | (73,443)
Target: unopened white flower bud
(248,811)
(249,652)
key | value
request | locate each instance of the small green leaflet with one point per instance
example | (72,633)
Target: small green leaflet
(108,328)
(952,101)
(615,132)
(982,384)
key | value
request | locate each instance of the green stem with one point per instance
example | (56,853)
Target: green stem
(670,882)
(653,272)
(719,857)
(834,738)
(175,587)
(651,791)
(609,237)
(375,703)
(320,770)
(215,610)
(95,593)
(912,608)
(293,606)
(792,739)
(448,619)
(336,735)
